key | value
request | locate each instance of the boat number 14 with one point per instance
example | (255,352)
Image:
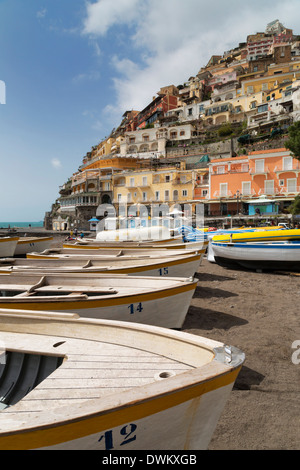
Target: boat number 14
(135,308)
(127,434)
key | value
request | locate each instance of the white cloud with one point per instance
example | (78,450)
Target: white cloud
(171,40)
(106,13)
(41,13)
(56,163)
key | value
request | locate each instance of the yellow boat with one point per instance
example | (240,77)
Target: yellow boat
(258,235)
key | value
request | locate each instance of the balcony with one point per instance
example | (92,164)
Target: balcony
(294,167)
(291,190)
(222,194)
(259,171)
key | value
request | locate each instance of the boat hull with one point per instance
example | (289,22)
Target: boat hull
(263,256)
(8,246)
(117,387)
(166,307)
(28,244)
(181,267)
(184,426)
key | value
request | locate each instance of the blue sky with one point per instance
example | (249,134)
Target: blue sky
(71,68)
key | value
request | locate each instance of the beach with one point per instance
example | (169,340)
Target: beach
(258,313)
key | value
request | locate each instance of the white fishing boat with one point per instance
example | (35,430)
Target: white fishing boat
(268,255)
(71,383)
(112,253)
(185,265)
(160,301)
(27,244)
(134,245)
(8,246)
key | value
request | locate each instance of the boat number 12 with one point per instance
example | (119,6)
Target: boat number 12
(135,308)
(127,434)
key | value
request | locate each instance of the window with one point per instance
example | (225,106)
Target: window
(223,189)
(190,111)
(287,163)
(175,195)
(144,196)
(220,170)
(128,197)
(167,178)
(119,197)
(269,187)
(204,192)
(281,182)
(144,180)
(249,89)
(259,166)
(245,167)
(156,195)
(264,86)
(291,185)
(184,192)
(246,188)
(131,182)
(167,197)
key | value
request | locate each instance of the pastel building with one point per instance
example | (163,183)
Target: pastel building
(267,180)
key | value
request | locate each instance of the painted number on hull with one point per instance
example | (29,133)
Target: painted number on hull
(127,434)
(163,271)
(135,308)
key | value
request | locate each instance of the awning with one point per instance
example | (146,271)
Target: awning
(94,219)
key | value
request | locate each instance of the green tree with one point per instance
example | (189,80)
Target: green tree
(225,130)
(293,142)
(294,208)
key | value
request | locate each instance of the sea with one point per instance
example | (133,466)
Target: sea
(21,224)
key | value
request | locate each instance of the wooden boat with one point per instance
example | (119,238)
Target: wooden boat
(192,246)
(8,246)
(71,383)
(183,265)
(27,244)
(160,301)
(280,255)
(109,254)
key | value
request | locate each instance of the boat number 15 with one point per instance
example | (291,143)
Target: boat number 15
(127,434)
(163,271)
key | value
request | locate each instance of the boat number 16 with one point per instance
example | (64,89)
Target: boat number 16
(127,434)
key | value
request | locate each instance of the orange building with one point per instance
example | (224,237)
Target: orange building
(264,181)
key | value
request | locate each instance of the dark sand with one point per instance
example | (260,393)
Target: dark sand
(258,313)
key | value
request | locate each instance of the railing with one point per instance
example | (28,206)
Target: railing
(254,171)
(219,194)
(293,167)
(290,190)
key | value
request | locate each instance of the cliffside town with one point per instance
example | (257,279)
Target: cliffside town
(217,139)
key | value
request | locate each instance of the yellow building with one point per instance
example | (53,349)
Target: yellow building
(164,186)
(277,75)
